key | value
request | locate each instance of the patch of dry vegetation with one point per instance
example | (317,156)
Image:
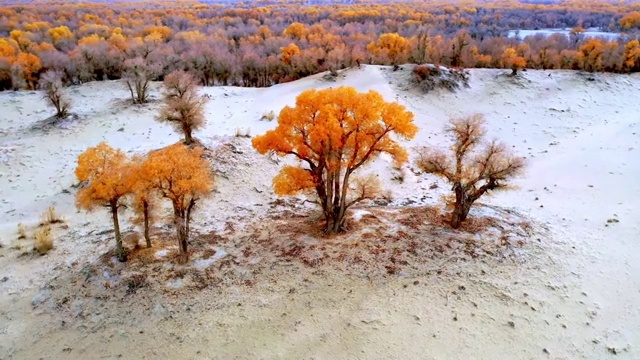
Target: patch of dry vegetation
(22,231)
(244,133)
(431,77)
(268,116)
(43,240)
(50,216)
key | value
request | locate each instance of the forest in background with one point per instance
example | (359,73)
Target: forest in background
(267,42)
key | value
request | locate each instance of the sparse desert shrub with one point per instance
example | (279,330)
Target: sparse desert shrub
(51,83)
(245,133)
(138,74)
(43,240)
(183,106)
(22,231)
(268,115)
(333,132)
(471,170)
(50,216)
(431,77)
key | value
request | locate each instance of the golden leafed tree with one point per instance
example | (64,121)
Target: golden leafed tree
(183,176)
(105,172)
(332,133)
(511,60)
(473,168)
(144,197)
(391,45)
(183,106)
(590,55)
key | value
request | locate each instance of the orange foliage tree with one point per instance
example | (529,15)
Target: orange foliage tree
(632,55)
(393,46)
(144,199)
(183,106)
(590,55)
(183,176)
(29,66)
(105,172)
(333,132)
(472,171)
(511,59)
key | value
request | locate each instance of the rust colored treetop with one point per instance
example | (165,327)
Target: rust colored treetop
(334,132)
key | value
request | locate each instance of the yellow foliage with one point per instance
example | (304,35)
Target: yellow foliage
(105,171)
(60,33)
(30,65)
(292,180)
(632,55)
(630,21)
(333,132)
(511,60)
(91,40)
(180,174)
(288,52)
(394,45)
(296,31)
(8,48)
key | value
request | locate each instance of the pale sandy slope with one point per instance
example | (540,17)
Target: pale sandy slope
(573,299)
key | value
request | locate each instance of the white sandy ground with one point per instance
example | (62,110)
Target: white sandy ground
(574,295)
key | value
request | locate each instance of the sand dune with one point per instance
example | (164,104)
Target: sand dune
(574,296)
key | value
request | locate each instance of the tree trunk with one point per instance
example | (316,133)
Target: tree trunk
(121,254)
(182,239)
(145,211)
(133,97)
(462,207)
(188,138)
(514,71)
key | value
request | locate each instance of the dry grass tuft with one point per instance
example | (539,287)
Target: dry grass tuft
(50,217)
(22,231)
(245,133)
(268,116)
(43,240)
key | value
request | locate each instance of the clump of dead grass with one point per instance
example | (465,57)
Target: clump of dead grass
(43,240)
(50,216)
(268,116)
(22,231)
(244,133)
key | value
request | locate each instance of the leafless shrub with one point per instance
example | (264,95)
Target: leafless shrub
(183,106)
(471,170)
(51,83)
(138,73)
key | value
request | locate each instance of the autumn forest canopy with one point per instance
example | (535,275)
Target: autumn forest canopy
(267,42)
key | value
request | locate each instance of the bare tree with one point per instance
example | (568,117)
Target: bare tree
(183,106)
(138,74)
(474,167)
(51,83)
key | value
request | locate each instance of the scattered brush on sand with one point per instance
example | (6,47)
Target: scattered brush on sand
(43,240)
(50,216)
(381,242)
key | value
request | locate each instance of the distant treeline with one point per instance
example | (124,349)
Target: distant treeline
(264,43)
